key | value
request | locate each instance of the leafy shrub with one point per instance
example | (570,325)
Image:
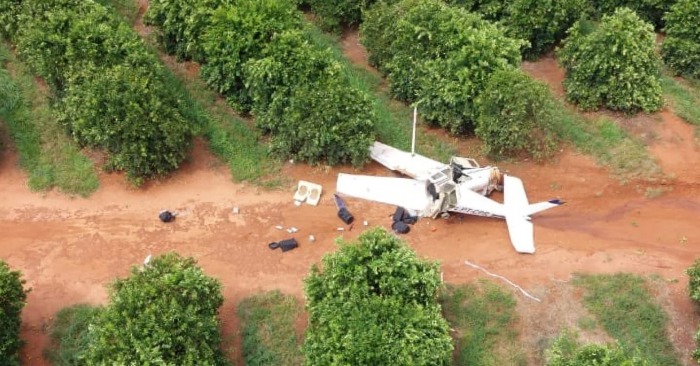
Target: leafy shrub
(374,303)
(10,95)
(240,33)
(516,116)
(13,296)
(566,351)
(440,55)
(490,9)
(681,48)
(163,314)
(69,335)
(305,102)
(9,17)
(694,280)
(181,24)
(542,23)
(113,90)
(613,65)
(105,107)
(334,13)
(650,10)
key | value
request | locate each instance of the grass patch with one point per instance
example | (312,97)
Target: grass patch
(683,100)
(128,9)
(482,316)
(69,335)
(269,337)
(623,305)
(394,122)
(49,156)
(607,142)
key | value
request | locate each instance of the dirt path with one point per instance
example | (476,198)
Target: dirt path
(69,249)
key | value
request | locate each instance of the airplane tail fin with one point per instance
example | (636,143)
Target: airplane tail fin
(518,211)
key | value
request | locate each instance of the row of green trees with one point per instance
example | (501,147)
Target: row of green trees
(260,55)
(111,90)
(372,303)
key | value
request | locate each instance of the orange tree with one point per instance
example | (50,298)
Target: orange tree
(12,300)
(374,303)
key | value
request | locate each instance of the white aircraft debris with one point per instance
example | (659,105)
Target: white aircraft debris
(436,189)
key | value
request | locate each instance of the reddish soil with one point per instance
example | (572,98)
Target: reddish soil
(69,249)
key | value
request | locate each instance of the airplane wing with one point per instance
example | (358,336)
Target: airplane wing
(404,192)
(415,166)
(522,234)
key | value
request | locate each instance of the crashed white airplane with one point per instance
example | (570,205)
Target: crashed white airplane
(438,188)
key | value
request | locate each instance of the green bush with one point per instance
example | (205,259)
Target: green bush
(181,24)
(9,17)
(13,296)
(694,280)
(490,9)
(516,116)
(305,102)
(238,34)
(542,22)
(112,90)
(164,313)
(613,64)
(681,48)
(649,10)
(69,335)
(105,107)
(566,351)
(439,55)
(333,14)
(375,303)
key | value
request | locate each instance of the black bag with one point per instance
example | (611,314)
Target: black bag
(401,214)
(346,216)
(166,216)
(400,227)
(288,244)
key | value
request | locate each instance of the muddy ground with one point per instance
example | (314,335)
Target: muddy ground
(69,249)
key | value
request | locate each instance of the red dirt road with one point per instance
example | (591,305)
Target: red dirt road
(69,249)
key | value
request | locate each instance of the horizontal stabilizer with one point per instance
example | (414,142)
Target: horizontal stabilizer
(404,192)
(522,234)
(541,206)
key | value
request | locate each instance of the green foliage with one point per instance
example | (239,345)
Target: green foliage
(650,10)
(566,351)
(693,273)
(112,89)
(542,23)
(334,13)
(483,318)
(439,55)
(162,314)
(181,24)
(516,115)
(626,309)
(614,65)
(374,303)
(490,9)
(69,335)
(238,34)
(13,296)
(10,95)
(681,47)
(304,100)
(269,337)
(9,17)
